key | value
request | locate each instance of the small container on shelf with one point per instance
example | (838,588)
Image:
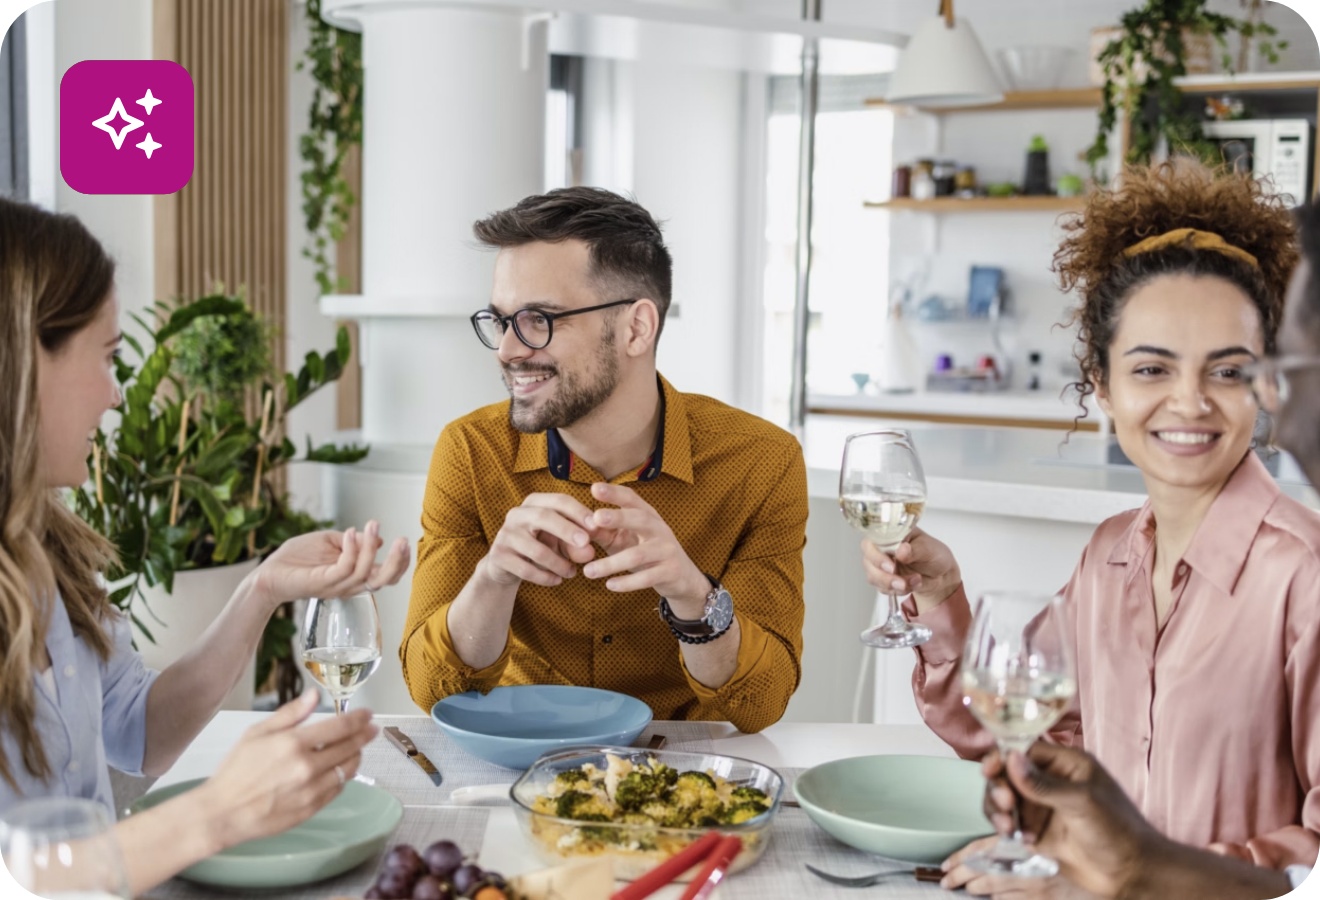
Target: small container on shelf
(964,183)
(902,184)
(945,175)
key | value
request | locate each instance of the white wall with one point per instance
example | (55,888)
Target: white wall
(305,327)
(109,29)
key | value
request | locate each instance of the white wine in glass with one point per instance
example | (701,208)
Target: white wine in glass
(882,493)
(1018,680)
(341,644)
(63,848)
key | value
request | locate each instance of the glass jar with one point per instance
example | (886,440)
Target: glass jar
(945,175)
(964,182)
(902,186)
(923,180)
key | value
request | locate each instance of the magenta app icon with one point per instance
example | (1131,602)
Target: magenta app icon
(126,126)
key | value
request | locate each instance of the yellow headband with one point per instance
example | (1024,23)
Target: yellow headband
(1191,237)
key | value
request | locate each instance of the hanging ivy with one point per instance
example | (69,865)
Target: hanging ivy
(1140,66)
(334,59)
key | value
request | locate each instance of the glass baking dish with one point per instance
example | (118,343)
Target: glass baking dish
(636,847)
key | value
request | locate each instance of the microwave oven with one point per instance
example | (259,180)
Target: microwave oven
(1277,149)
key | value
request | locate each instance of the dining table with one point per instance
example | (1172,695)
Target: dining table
(490,834)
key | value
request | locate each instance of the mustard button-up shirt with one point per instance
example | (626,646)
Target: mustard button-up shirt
(1211,723)
(732,488)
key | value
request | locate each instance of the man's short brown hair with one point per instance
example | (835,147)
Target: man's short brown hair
(627,253)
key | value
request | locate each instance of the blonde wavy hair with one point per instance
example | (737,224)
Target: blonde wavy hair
(54,278)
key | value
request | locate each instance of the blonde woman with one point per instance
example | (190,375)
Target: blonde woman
(74,696)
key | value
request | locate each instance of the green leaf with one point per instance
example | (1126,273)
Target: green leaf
(343,346)
(215,460)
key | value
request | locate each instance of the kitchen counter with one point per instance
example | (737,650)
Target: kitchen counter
(1043,408)
(1020,472)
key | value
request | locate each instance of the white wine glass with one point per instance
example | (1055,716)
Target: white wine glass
(63,848)
(341,644)
(1018,680)
(882,492)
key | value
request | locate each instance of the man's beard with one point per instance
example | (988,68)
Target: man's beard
(574,398)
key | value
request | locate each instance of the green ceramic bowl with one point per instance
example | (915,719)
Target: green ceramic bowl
(346,833)
(914,808)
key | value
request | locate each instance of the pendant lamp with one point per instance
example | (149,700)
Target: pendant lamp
(944,64)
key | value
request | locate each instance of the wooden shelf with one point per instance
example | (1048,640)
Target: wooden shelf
(1066,98)
(1263,82)
(982,204)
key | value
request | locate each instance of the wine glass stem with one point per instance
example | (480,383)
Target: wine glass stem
(896,619)
(341,705)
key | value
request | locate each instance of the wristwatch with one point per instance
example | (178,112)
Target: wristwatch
(716,619)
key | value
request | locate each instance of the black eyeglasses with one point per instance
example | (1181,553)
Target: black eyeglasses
(534,327)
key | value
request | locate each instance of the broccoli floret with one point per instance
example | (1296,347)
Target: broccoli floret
(636,789)
(570,777)
(581,806)
(741,812)
(750,795)
(667,774)
(694,779)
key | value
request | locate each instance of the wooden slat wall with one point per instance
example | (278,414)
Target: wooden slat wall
(228,224)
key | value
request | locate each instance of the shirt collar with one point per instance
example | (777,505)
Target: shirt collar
(1222,543)
(672,454)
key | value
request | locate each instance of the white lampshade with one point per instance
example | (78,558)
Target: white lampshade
(943,66)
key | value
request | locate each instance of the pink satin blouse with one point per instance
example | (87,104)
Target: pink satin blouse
(1212,722)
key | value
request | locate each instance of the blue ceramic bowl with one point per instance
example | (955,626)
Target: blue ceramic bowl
(513,726)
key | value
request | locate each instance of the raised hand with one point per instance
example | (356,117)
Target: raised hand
(640,543)
(543,541)
(921,566)
(330,564)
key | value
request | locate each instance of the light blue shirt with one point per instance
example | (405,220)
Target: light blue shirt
(96,716)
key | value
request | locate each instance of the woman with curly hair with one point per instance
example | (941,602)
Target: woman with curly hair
(1194,618)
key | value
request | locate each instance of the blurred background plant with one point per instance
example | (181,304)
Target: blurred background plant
(191,476)
(1154,46)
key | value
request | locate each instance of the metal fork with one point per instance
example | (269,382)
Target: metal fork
(921,873)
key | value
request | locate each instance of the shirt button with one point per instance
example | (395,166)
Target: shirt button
(74,766)
(1182,569)
(69,671)
(607,639)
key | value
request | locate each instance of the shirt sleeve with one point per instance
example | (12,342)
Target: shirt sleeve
(936,678)
(764,577)
(452,544)
(125,683)
(1297,844)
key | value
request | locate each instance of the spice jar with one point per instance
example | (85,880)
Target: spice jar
(964,182)
(902,186)
(945,173)
(923,180)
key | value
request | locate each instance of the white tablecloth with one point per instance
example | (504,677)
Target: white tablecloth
(492,834)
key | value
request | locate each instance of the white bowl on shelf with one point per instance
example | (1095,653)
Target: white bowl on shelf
(1033,68)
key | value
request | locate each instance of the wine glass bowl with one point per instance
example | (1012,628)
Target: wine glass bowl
(63,848)
(1018,680)
(882,493)
(341,644)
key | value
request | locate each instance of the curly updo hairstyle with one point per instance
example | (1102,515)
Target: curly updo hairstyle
(1152,201)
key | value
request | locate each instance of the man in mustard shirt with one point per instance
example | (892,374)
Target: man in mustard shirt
(600,527)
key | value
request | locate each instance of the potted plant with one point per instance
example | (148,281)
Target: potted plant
(1140,66)
(186,485)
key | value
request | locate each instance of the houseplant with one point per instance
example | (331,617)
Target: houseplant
(187,480)
(334,125)
(1140,66)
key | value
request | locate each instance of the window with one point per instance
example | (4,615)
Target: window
(849,289)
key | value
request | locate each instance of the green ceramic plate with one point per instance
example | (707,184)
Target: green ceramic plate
(348,832)
(914,808)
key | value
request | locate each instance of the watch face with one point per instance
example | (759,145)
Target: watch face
(719,614)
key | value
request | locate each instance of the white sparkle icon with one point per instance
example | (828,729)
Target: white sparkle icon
(149,102)
(117,110)
(148,146)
